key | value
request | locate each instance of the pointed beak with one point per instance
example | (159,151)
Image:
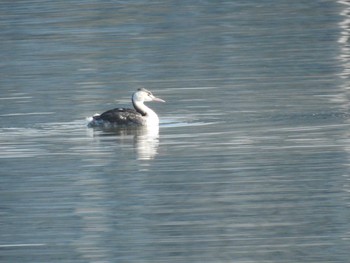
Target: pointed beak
(157,99)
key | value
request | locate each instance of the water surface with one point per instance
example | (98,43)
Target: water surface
(250,162)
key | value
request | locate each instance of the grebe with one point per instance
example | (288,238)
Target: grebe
(141,116)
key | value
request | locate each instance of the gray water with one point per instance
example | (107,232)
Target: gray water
(251,161)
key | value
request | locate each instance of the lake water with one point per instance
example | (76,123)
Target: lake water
(251,160)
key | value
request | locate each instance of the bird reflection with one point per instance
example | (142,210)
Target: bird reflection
(145,140)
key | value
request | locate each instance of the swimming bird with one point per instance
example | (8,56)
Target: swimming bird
(140,116)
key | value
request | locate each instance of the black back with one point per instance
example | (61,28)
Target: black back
(121,116)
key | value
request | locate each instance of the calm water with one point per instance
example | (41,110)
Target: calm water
(251,161)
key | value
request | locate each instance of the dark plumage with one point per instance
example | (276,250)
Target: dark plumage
(120,116)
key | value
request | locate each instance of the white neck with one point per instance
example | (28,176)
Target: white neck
(150,116)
